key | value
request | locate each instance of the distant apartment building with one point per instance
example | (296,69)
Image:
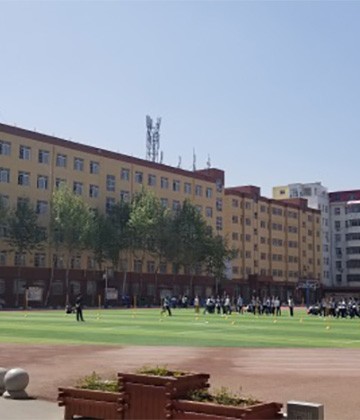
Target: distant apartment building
(345,232)
(278,241)
(318,198)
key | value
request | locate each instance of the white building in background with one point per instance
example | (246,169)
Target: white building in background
(318,198)
(345,249)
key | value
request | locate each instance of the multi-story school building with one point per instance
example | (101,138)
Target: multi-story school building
(278,241)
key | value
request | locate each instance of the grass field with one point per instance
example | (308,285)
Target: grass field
(184,328)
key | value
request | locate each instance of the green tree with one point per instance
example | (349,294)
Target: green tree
(98,236)
(117,242)
(190,236)
(23,233)
(71,221)
(150,229)
(218,254)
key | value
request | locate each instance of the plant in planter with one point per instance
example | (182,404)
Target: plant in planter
(149,392)
(92,397)
(223,404)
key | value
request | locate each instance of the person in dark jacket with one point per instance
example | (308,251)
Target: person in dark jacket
(78,308)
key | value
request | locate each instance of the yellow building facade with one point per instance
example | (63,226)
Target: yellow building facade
(276,241)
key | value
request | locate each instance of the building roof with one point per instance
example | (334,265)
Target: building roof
(210,174)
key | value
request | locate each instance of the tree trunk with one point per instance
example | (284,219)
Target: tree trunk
(124,283)
(51,280)
(67,299)
(17,285)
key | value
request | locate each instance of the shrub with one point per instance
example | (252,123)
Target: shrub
(95,382)
(222,396)
(159,371)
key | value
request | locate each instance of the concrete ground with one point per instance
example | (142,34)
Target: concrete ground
(326,376)
(29,410)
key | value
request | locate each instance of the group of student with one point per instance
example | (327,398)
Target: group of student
(339,308)
(224,305)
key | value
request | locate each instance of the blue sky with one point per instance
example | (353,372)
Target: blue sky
(270,90)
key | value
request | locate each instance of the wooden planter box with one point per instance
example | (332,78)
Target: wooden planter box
(183,409)
(150,397)
(89,403)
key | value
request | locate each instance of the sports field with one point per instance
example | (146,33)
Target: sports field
(184,328)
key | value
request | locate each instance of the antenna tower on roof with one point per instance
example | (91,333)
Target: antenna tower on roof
(152,139)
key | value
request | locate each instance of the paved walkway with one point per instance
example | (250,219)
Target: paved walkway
(29,410)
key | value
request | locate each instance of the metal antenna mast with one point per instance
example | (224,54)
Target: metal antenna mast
(152,139)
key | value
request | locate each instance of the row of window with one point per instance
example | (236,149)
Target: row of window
(264,209)
(43,183)
(94,168)
(39,260)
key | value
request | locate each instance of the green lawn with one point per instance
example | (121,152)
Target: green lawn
(147,327)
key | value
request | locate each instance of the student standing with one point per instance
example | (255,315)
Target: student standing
(291,305)
(78,307)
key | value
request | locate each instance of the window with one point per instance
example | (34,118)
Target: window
(2,257)
(110,203)
(75,263)
(125,196)
(277,211)
(163,268)
(24,153)
(61,160)
(24,179)
(94,167)
(78,188)
(151,180)
(41,207)
(78,164)
(187,188)
(208,193)
(235,202)
(235,236)
(219,223)
(59,182)
(219,204)
(125,174)
(4,232)
(90,264)
(5,148)
(248,238)
(198,208)
(164,183)
(44,156)
(176,185)
(110,183)
(138,266)
(4,175)
(176,205)
(198,190)
(219,185)
(151,266)
(247,205)
(22,201)
(337,224)
(138,177)
(42,182)
(208,212)
(4,200)
(39,260)
(235,219)
(93,191)
(19,259)
(164,202)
